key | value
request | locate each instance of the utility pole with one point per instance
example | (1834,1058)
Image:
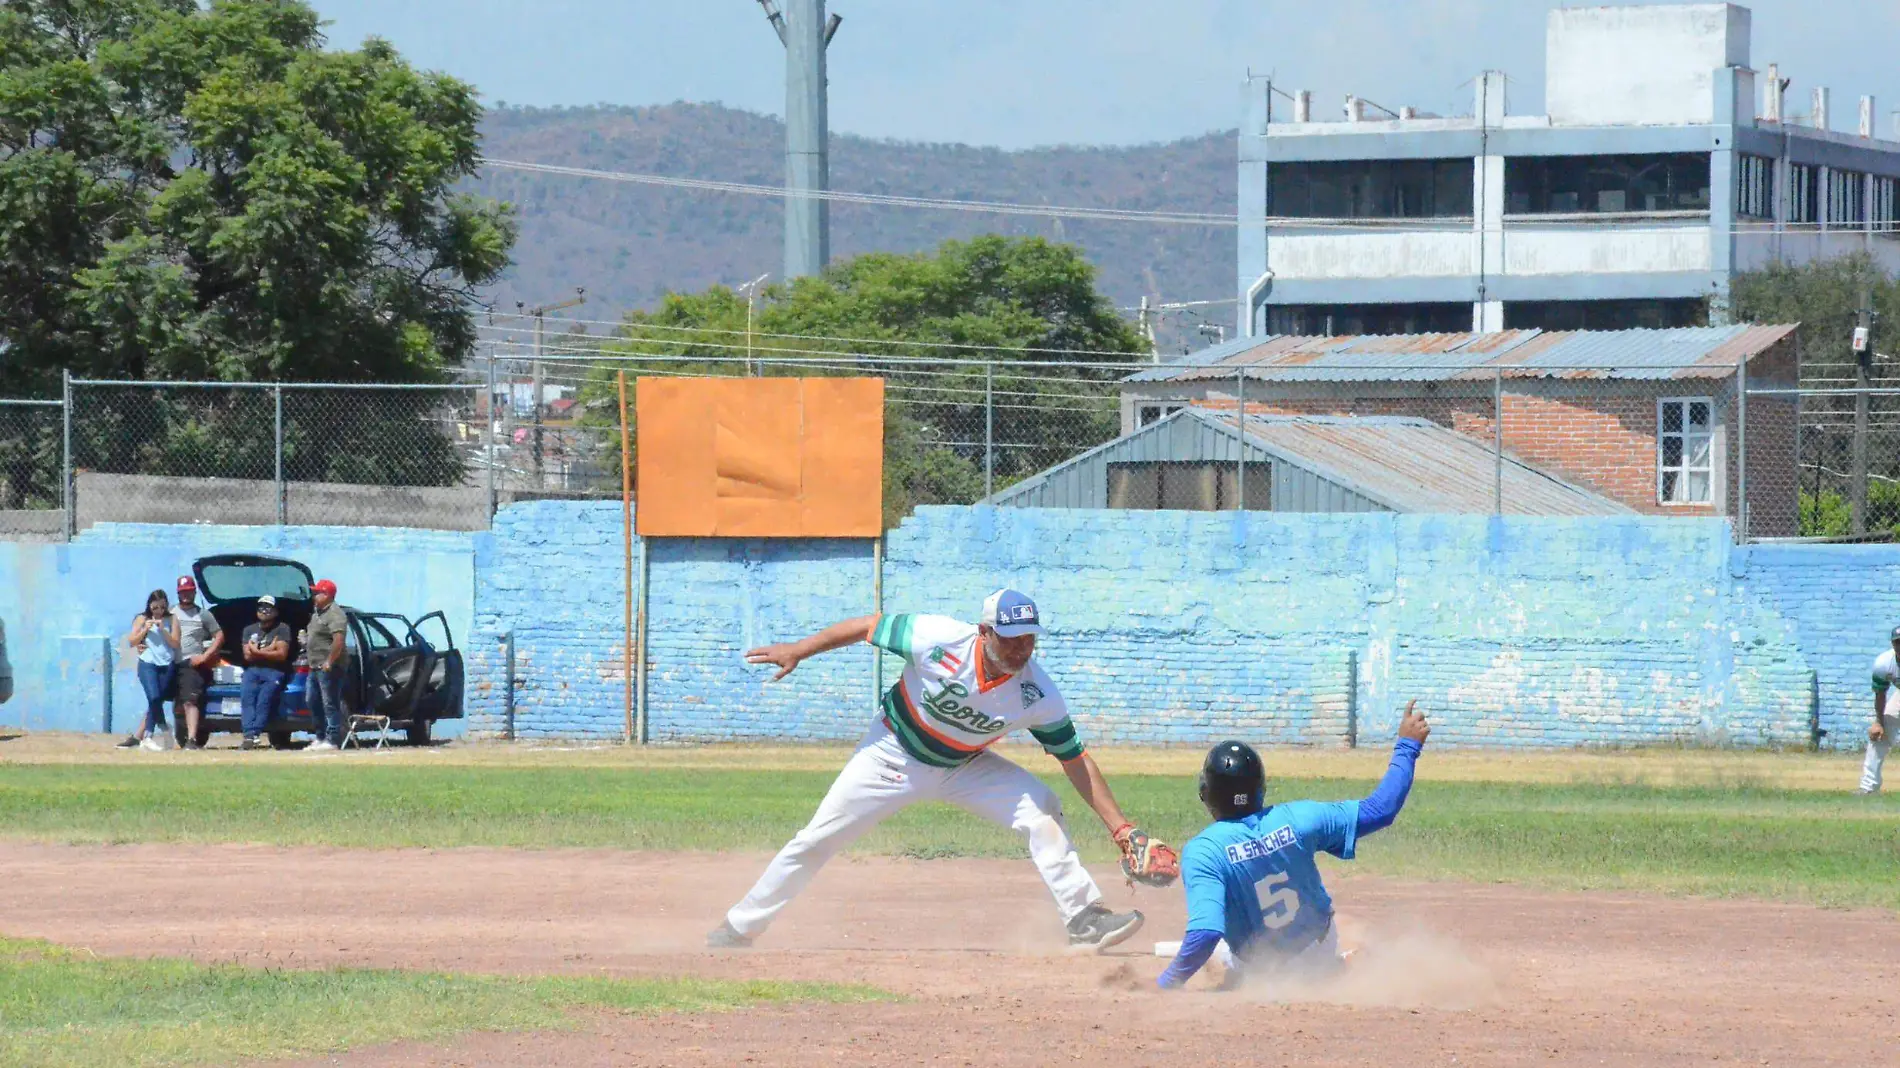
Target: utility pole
(806,32)
(751,290)
(1863,373)
(1146,324)
(536,376)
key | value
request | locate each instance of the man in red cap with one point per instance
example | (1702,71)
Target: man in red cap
(199,640)
(328,648)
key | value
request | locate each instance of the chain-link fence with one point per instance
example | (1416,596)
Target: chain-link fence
(1846,469)
(32,502)
(1417,437)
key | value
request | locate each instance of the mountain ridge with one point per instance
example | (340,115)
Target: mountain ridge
(629,244)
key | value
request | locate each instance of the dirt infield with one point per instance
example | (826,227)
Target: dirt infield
(1466,975)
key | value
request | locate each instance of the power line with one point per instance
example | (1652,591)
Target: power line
(1049,211)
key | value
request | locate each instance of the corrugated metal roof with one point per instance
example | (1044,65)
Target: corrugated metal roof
(1415,465)
(1394,462)
(1688,352)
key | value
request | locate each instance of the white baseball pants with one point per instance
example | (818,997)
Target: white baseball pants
(880,779)
(1877,751)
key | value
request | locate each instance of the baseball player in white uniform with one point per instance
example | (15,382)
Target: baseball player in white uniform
(1886,715)
(962,689)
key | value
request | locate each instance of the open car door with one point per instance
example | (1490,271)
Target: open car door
(441,696)
(395,664)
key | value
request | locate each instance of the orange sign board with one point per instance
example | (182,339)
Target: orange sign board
(761,457)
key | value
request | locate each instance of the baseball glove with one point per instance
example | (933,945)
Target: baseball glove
(1146,860)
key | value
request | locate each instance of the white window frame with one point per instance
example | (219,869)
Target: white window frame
(1682,471)
(1162,410)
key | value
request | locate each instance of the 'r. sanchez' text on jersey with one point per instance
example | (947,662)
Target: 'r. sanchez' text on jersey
(1253,880)
(946,707)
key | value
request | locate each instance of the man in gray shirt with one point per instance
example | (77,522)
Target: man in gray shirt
(200,638)
(327,646)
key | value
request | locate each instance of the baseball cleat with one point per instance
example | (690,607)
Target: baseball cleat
(1096,929)
(1864,792)
(724,937)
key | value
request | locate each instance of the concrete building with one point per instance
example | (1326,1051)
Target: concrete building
(1656,420)
(1665,164)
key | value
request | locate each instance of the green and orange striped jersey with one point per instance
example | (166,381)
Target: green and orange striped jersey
(946,708)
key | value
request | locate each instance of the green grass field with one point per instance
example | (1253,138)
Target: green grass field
(1735,836)
(66,1009)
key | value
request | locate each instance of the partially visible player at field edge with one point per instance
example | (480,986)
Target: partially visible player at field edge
(1250,877)
(1886,715)
(962,689)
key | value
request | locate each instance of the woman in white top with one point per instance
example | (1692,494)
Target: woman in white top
(155,636)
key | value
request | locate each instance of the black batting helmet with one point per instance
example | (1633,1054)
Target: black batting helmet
(1233,781)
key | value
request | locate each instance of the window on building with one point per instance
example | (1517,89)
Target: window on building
(1188,486)
(1150,414)
(1336,319)
(1685,451)
(1657,314)
(1884,212)
(1567,185)
(1371,189)
(1846,198)
(1755,187)
(1804,193)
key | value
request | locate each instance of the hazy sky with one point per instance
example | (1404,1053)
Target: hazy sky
(1026,72)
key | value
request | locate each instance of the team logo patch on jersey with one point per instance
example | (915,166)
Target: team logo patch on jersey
(1256,848)
(942,658)
(1031,694)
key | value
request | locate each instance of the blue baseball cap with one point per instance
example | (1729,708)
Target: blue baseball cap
(1011,614)
(1896,634)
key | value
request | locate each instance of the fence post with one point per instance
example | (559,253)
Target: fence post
(1240,450)
(283,503)
(508,681)
(1741,454)
(1497,441)
(989,430)
(494,505)
(68,480)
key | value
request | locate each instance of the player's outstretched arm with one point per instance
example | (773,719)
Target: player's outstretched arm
(1144,859)
(1381,808)
(788,655)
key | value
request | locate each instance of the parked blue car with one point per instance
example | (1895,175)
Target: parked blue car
(410,672)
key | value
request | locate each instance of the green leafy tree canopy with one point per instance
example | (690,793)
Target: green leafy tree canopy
(204,191)
(1028,304)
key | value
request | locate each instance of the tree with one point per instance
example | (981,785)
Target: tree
(927,324)
(205,192)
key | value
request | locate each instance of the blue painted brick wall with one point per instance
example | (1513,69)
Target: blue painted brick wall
(1187,627)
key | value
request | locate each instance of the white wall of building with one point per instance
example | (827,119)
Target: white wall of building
(1640,66)
(1535,252)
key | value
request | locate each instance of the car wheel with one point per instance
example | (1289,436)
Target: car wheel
(279,739)
(419,732)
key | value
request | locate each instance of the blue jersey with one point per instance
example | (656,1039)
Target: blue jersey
(1254,881)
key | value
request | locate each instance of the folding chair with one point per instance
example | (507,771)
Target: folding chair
(361,723)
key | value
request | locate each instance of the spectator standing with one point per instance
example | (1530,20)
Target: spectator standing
(266,655)
(200,639)
(328,650)
(155,635)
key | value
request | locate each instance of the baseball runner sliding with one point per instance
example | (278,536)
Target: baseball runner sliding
(962,689)
(1250,877)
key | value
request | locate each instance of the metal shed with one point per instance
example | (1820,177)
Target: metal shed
(1302,464)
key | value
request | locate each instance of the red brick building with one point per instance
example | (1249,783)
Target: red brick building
(1668,422)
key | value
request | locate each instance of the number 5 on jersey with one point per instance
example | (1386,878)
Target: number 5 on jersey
(1279,904)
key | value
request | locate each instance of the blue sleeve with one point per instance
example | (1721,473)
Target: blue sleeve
(1377,811)
(1325,827)
(1195,949)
